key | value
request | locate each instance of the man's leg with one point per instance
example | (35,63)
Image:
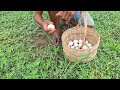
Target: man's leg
(76,17)
(56,38)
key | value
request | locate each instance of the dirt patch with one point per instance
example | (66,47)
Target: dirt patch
(41,41)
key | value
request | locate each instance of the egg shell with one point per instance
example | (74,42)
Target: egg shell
(70,43)
(86,42)
(76,44)
(72,47)
(76,47)
(90,47)
(79,45)
(89,44)
(51,26)
(84,47)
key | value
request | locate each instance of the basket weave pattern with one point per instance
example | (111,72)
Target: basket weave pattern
(78,32)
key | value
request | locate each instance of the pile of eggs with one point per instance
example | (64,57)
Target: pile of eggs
(78,43)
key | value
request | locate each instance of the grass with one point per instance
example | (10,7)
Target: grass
(21,59)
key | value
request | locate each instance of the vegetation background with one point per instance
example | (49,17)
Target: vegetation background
(26,53)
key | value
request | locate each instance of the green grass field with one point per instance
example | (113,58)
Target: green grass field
(23,58)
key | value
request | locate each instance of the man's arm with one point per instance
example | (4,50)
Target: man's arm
(38,17)
(66,15)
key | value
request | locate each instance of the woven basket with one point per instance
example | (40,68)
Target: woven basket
(84,33)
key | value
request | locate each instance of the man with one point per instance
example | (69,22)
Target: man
(65,16)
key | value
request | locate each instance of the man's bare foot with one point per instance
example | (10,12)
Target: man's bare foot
(55,40)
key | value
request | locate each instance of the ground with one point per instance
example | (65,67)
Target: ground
(41,41)
(26,53)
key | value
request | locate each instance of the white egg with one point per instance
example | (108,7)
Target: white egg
(86,42)
(84,47)
(75,41)
(80,41)
(70,43)
(72,47)
(51,26)
(76,44)
(89,45)
(76,47)
(80,44)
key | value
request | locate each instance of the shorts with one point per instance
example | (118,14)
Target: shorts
(90,20)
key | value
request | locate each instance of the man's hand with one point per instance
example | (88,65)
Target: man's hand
(45,25)
(66,15)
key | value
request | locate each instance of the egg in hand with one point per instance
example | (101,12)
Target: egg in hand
(51,26)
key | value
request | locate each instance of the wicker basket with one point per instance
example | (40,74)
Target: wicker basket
(85,33)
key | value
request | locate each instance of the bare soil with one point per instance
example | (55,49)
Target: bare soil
(41,41)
